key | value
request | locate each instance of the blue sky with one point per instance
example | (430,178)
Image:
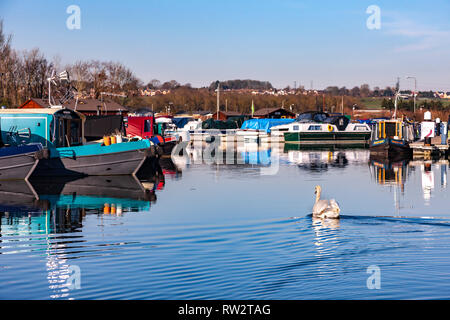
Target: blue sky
(281,41)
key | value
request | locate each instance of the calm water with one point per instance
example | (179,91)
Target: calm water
(232,231)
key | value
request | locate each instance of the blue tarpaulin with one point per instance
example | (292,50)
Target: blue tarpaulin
(181,122)
(264,124)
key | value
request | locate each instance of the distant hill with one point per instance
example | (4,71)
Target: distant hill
(242,84)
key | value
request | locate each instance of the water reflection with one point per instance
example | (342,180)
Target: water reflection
(322,160)
(428,176)
(35,216)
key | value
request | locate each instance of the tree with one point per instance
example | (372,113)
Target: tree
(364,90)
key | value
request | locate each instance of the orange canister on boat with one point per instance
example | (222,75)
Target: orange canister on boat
(113,140)
(107,140)
(106,208)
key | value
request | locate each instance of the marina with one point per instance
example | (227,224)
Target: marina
(230,158)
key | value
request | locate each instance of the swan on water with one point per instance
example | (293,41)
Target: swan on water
(325,208)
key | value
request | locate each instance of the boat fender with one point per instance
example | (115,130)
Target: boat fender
(330,128)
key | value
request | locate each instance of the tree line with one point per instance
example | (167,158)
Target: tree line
(23,75)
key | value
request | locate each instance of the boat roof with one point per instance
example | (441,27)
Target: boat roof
(36,110)
(51,110)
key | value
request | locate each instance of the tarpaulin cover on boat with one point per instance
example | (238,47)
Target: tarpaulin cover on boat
(238,119)
(217,124)
(181,122)
(264,124)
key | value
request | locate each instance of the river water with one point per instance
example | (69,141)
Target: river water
(242,230)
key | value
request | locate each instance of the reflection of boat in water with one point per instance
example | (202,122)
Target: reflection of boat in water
(17,196)
(95,193)
(319,160)
(390,172)
(122,187)
(113,194)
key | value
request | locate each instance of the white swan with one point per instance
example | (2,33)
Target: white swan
(325,208)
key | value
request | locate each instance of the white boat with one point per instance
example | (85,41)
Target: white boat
(330,131)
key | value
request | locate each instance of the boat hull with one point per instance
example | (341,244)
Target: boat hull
(17,167)
(391,149)
(360,138)
(19,162)
(117,163)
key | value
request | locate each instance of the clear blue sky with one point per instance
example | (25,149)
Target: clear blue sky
(281,41)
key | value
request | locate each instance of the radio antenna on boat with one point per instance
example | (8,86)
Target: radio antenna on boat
(62,76)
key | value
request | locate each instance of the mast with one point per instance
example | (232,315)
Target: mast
(218,98)
(397,94)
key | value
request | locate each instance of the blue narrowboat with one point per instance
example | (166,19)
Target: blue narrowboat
(61,131)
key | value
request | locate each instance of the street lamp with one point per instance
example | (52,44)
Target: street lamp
(415,91)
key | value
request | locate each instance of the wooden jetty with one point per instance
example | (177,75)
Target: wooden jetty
(435,149)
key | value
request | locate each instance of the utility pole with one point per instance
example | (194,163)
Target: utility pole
(218,99)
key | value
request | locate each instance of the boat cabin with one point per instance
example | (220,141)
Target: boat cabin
(312,116)
(393,129)
(52,127)
(141,126)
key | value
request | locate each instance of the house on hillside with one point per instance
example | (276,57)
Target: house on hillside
(273,113)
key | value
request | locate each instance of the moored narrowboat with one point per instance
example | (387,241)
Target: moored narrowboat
(62,132)
(391,139)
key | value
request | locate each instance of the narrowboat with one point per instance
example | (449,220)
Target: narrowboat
(145,127)
(61,131)
(391,139)
(325,130)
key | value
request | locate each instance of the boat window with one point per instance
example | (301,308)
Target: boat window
(320,117)
(147,126)
(304,116)
(390,129)
(315,128)
(75,132)
(296,128)
(360,128)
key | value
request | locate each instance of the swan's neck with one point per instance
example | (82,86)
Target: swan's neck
(317,196)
